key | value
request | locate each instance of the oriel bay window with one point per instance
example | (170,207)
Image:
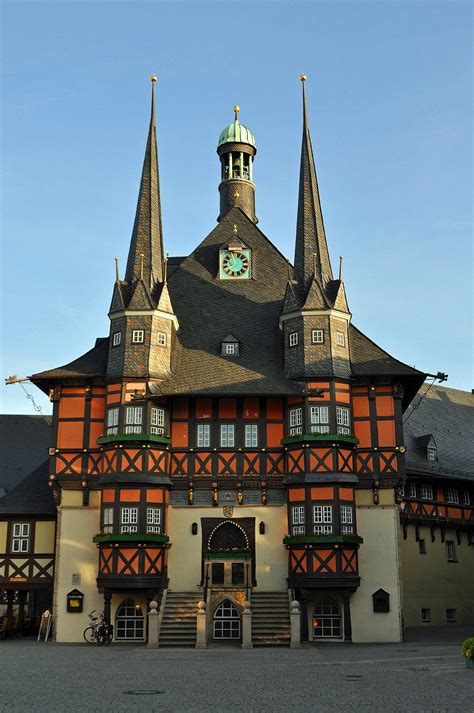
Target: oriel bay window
(322,518)
(128,519)
(107,520)
(251,436)
(343,420)
(112,421)
(157,420)
(138,419)
(133,419)
(296,421)
(227,439)
(347,525)
(297,520)
(153,520)
(319,419)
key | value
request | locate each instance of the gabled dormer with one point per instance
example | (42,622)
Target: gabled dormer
(426,445)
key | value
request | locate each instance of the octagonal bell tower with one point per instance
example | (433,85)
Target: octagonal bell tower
(236,150)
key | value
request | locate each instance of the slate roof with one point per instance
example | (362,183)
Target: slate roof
(448,415)
(91,364)
(32,496)
(24,443)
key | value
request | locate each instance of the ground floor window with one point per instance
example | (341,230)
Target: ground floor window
(327,620)
(226,621)
(130,622)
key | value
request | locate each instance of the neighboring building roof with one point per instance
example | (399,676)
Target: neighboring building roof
(24,443)
(32,496)
(448,415)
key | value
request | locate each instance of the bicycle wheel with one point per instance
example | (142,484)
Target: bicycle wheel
(89,635)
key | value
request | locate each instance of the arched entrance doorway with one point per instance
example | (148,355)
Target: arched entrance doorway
(129,622)
(228,536)
(327,620)
(226,621)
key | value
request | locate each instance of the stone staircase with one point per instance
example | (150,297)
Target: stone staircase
(270,619)
(178,626)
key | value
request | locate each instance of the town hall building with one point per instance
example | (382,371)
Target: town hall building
(235,444)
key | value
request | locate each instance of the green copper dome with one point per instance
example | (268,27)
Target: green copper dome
(237,133)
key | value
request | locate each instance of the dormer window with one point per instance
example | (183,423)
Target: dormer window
(431,453)
(116,339)
(138,336)
(340,339)
(317,336)
(230,346)
(293,339)
(161,339)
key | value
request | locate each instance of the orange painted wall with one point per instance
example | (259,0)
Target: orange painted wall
(252,409)
(70,434)
(386,433)
(362,432)
(274,434)
(179,434)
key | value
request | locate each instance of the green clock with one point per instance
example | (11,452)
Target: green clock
(235,264)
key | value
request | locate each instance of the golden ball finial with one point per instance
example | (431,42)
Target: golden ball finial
(153,78)
(236,110)
(303,77)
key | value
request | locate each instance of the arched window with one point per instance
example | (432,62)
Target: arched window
(327,620)
(228,536)
(226,621)
(130,622)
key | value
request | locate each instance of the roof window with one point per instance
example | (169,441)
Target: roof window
(230,346)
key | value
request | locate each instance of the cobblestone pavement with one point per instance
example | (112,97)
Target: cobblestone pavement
(333,678)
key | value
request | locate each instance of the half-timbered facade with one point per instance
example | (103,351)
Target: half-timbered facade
(235,438)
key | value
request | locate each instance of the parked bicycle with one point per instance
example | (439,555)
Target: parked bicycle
(99,632)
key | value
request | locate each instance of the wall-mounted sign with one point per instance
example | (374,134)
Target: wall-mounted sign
(75,601)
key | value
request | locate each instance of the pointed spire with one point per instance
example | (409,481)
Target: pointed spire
(310,235)
(147,236)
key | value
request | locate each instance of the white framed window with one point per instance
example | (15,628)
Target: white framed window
(227,435)
(161,339)
(251,435)
(450,616)
(297,515)
(296,421)
(116,339)
(203,435)
(108,520)
(128,519)
(21,537)
(451,555)
(431,453)
(153,520)
(112,420)
(319,419)
(340,339)
(466,498)
(230,348)
(425,616)
(293,341)
(297,520)
(322,517)
(343,420)
(452,495)
(347,524)
(133,419)
(427,492)
(157,420)
(138,336)
(317,336)
(412,490)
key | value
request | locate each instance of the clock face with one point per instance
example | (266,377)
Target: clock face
(234,264)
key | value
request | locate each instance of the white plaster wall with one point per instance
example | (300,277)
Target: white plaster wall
(184,559)
(379,567)
(76,553)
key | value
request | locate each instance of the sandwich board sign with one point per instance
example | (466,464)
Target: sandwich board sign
(45,626)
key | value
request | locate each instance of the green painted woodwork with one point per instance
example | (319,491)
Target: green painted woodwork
(237,133)
(338,437)
(143,437)
(323,540)
(131,537)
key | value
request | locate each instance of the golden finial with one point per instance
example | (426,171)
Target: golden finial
(303,77)
(117,277)
(236,110)
(153,78)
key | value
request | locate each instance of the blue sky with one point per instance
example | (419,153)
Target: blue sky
(390,115)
